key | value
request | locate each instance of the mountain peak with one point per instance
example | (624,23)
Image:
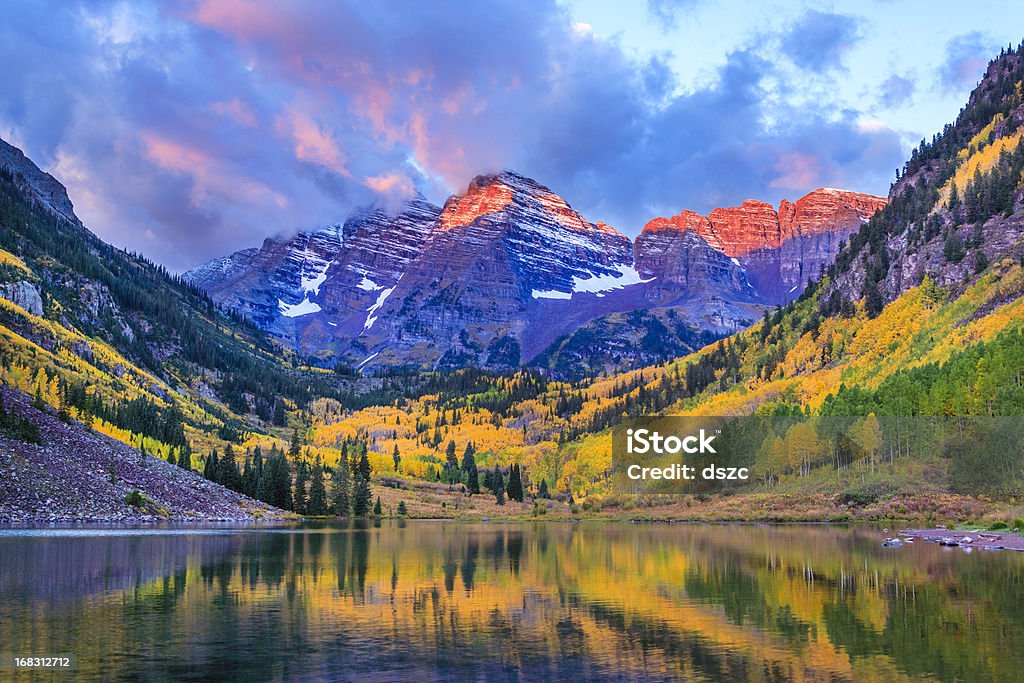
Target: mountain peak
(509,193)
(43,187)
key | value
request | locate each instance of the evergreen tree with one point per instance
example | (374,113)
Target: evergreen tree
(228,468)
(301,478)
(498,486)
(171,460)
(451,465)
(278,480)
(211,470)
(362,494)
(469,468)
(377,508)
(397,457)
(317,495)
(515,484)
(402,510)
(185,457)
(248,476)
(542,491)
(341,487)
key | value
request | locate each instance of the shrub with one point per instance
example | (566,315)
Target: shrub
(135,498)
(996,526)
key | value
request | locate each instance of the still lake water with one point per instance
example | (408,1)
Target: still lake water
(517,601)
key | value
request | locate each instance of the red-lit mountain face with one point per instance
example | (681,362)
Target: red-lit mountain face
(508,273)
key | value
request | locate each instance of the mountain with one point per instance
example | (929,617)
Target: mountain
(508,273)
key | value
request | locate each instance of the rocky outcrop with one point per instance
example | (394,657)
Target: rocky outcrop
(24,294)
(41,187)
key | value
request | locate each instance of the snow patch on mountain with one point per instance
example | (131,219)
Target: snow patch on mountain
(368,285)
(595,283)
(370,317)
(304,307)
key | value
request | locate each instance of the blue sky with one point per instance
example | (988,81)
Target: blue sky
(186,130)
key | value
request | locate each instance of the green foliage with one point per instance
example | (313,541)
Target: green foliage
(341,486)
(317,493)
(402,510)
(136,499)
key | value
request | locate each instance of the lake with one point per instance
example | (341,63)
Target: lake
(461,601)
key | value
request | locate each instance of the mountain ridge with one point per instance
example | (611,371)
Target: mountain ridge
(520,270)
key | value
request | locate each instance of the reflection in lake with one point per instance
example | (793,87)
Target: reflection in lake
(522,601)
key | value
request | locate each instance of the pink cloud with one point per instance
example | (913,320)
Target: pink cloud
(797,171)
(236,110)
(392,184)
(313,143)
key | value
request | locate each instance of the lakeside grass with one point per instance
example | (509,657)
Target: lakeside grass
(430,500)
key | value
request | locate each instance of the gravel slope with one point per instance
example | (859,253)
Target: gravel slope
(67,478)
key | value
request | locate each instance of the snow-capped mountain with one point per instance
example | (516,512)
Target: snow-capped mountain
(508,272)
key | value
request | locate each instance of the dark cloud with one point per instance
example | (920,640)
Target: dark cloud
(967,56)
(818,40)
(896,91)
(188,131)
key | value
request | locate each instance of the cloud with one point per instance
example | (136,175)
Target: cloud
(667,12)
(818,40)
(966,57)
(896,91)
(190,130)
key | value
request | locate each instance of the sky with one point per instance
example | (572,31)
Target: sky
(188,130)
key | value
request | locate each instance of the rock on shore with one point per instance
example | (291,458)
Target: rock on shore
(68,479)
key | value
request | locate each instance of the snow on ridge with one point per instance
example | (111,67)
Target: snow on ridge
(596,284)
(312,284)
(736,261)
(368,285)
(368,359)
(551,294)
(304,307)
(370,317)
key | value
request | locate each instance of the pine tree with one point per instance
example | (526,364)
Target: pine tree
(515,484)
(377,508)
(228,467)
(211,470)
(278,481)
(362,494)
(542,492)
(301,477)
(397,457)
(171,460)
(341,487)
(451,464)
(470,469)
(499,486)
(402,510)
(185,457)
(317,495)
(248,476)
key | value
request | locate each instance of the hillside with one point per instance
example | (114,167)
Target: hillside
(62,472)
